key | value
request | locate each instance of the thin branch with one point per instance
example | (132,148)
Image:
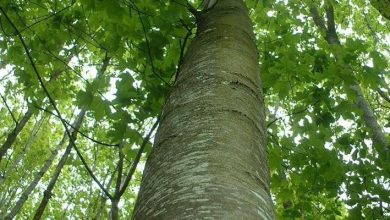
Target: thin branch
(78,131)
(137,158)
(318,20)
(182,48)
(52,102)
(193,10)
(120,171)
(9,109)
(384,95)
(293,113)
(148,46)
(5,76)
(46,17)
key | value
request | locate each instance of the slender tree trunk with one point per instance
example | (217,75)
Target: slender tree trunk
(209,158)
(114,209)
(49,189)
(12,167)
(26,193)
(103,200)
(117,194)
(12,136)
(61,163)
(378,137)
(26,117)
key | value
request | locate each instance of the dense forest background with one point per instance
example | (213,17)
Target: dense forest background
(83,82)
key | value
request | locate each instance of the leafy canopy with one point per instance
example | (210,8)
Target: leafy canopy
(322,160)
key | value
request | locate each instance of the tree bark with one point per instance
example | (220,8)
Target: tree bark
(114,209)
(209,158)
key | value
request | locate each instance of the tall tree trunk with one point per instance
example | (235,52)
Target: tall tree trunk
(12,136)
(26,117)
(61,163)
(117,194)
(49,189)
(209,158)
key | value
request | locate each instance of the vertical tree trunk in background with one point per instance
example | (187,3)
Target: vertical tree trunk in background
(331,36)
(49,189)
(209,158)
(114,209)
(18,158)
(12,136)
(103,199)
(26,193)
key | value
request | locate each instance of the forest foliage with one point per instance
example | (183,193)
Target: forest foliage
(83,82)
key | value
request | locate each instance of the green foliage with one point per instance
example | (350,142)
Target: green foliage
(322,162)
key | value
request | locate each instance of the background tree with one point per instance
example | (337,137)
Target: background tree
(322,160)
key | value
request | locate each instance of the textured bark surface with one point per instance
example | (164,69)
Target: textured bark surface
(209,158)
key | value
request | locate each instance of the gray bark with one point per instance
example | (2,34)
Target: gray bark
(114,209)
(117,195)
(378,137)
(209,159)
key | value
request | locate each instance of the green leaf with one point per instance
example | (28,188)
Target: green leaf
(99,107)
(84,99)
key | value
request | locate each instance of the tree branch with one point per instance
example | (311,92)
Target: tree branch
(318,20)
(331,34)
(9,109)
(137,158)
(148,46)
(384,95)
(182,48)
(46,17)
